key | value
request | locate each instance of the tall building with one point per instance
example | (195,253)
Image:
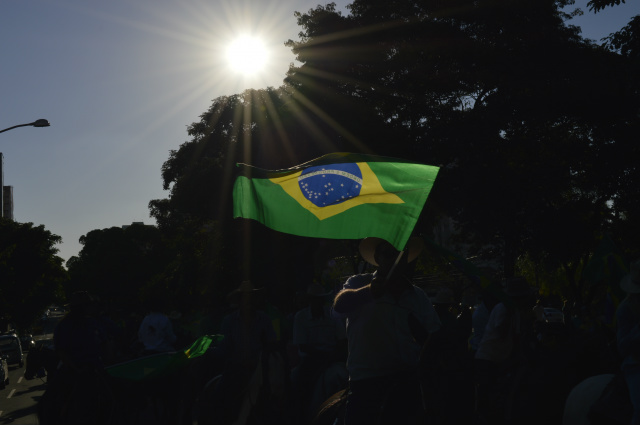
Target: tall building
(7,202)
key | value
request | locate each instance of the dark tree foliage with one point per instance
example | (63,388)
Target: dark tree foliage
(31,274)
(526,118)
(623,178)
(627,40)
(271,129)
(197,216)
(533,128)
(120,266)
(598,5)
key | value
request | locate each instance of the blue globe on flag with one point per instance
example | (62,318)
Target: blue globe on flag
(331,184)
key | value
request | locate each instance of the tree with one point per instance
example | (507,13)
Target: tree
(518,108)
(31,274)
(532,125)
(598,5)
(120,265)
(269,128)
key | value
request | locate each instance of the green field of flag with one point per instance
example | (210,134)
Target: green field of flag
(160,364)
(337,196)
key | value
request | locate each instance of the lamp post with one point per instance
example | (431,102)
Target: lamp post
(36,123)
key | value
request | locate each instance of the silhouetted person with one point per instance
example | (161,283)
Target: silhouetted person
(501,349)
(388,321)
(248,333)
(79,393)
(446,364)
(321,341)
(156,330)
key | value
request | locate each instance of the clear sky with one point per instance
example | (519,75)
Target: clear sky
(120,81)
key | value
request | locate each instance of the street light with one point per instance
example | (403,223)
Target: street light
(36,123)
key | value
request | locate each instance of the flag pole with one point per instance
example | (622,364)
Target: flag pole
(395,264)
(246,250)
(375,288)
(246,230)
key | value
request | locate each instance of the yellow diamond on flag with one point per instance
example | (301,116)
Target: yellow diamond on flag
(329,190)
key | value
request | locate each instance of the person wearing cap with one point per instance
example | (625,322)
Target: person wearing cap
(247,333)
(155,332)
(388,321)
(447,364)
(247,329)
(321,341)
(509,326)
(480,318)
(79,340)
(443,302)
(628,336)
(156,336)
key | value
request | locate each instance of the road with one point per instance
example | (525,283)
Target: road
(19,399)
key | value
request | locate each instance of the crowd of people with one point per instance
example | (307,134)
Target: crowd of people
(487,355)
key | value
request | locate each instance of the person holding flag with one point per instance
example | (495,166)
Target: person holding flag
(376,199)
(389,320)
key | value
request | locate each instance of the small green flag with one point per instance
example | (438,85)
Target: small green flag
(162,364)
(337,196)
(201,345)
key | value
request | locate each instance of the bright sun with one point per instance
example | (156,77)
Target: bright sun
(247,55)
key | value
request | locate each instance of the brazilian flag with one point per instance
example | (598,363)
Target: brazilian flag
(337,196)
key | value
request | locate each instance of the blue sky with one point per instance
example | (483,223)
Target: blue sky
(120,81)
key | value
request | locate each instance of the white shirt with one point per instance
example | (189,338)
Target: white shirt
(380,340)
(156,333)
(495,346)
(479,321)
(322,333)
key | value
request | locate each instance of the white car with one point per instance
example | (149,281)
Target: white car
(11,348)
(553,315)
